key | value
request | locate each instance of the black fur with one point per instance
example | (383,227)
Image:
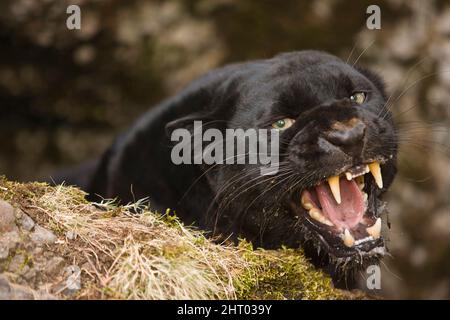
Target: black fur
(309,86)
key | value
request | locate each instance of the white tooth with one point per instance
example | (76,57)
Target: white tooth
(349,176)
(306,203)
(365,196)
(375,169)
(317,215)
(348,239)
(335,188)
(375,230)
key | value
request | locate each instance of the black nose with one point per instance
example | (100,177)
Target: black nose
(347,135)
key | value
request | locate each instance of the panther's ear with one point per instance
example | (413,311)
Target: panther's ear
(375,78)
(187,122)
(209,100)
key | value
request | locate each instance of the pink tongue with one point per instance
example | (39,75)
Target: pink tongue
(349,212)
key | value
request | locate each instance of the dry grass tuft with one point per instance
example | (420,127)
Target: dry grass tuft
(146,259)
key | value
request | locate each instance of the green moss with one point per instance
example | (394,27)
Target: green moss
(21,193)
(56,228)
(28,259)
(282,274)
(170,218)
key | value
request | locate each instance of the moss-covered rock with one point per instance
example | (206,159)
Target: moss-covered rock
(119,254)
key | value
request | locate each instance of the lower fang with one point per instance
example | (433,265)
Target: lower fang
(348,239)
(375,230)
(317,215)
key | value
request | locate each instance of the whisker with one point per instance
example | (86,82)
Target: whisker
(362,53)
(386,107)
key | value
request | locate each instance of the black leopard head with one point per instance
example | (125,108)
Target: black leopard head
(337,156)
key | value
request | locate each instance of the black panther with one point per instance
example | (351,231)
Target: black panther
(337,157)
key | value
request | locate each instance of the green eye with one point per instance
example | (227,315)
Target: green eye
(358,97)
(283,124)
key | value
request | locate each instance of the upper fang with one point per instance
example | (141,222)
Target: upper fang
(375,169)
(335,188)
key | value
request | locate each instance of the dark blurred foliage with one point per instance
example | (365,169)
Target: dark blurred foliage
(65,94)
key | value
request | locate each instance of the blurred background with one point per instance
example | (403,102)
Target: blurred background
(65,94)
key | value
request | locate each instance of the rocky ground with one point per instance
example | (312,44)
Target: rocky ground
(30,267)
(25,262)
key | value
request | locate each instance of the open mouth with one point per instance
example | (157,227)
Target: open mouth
(342,209)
